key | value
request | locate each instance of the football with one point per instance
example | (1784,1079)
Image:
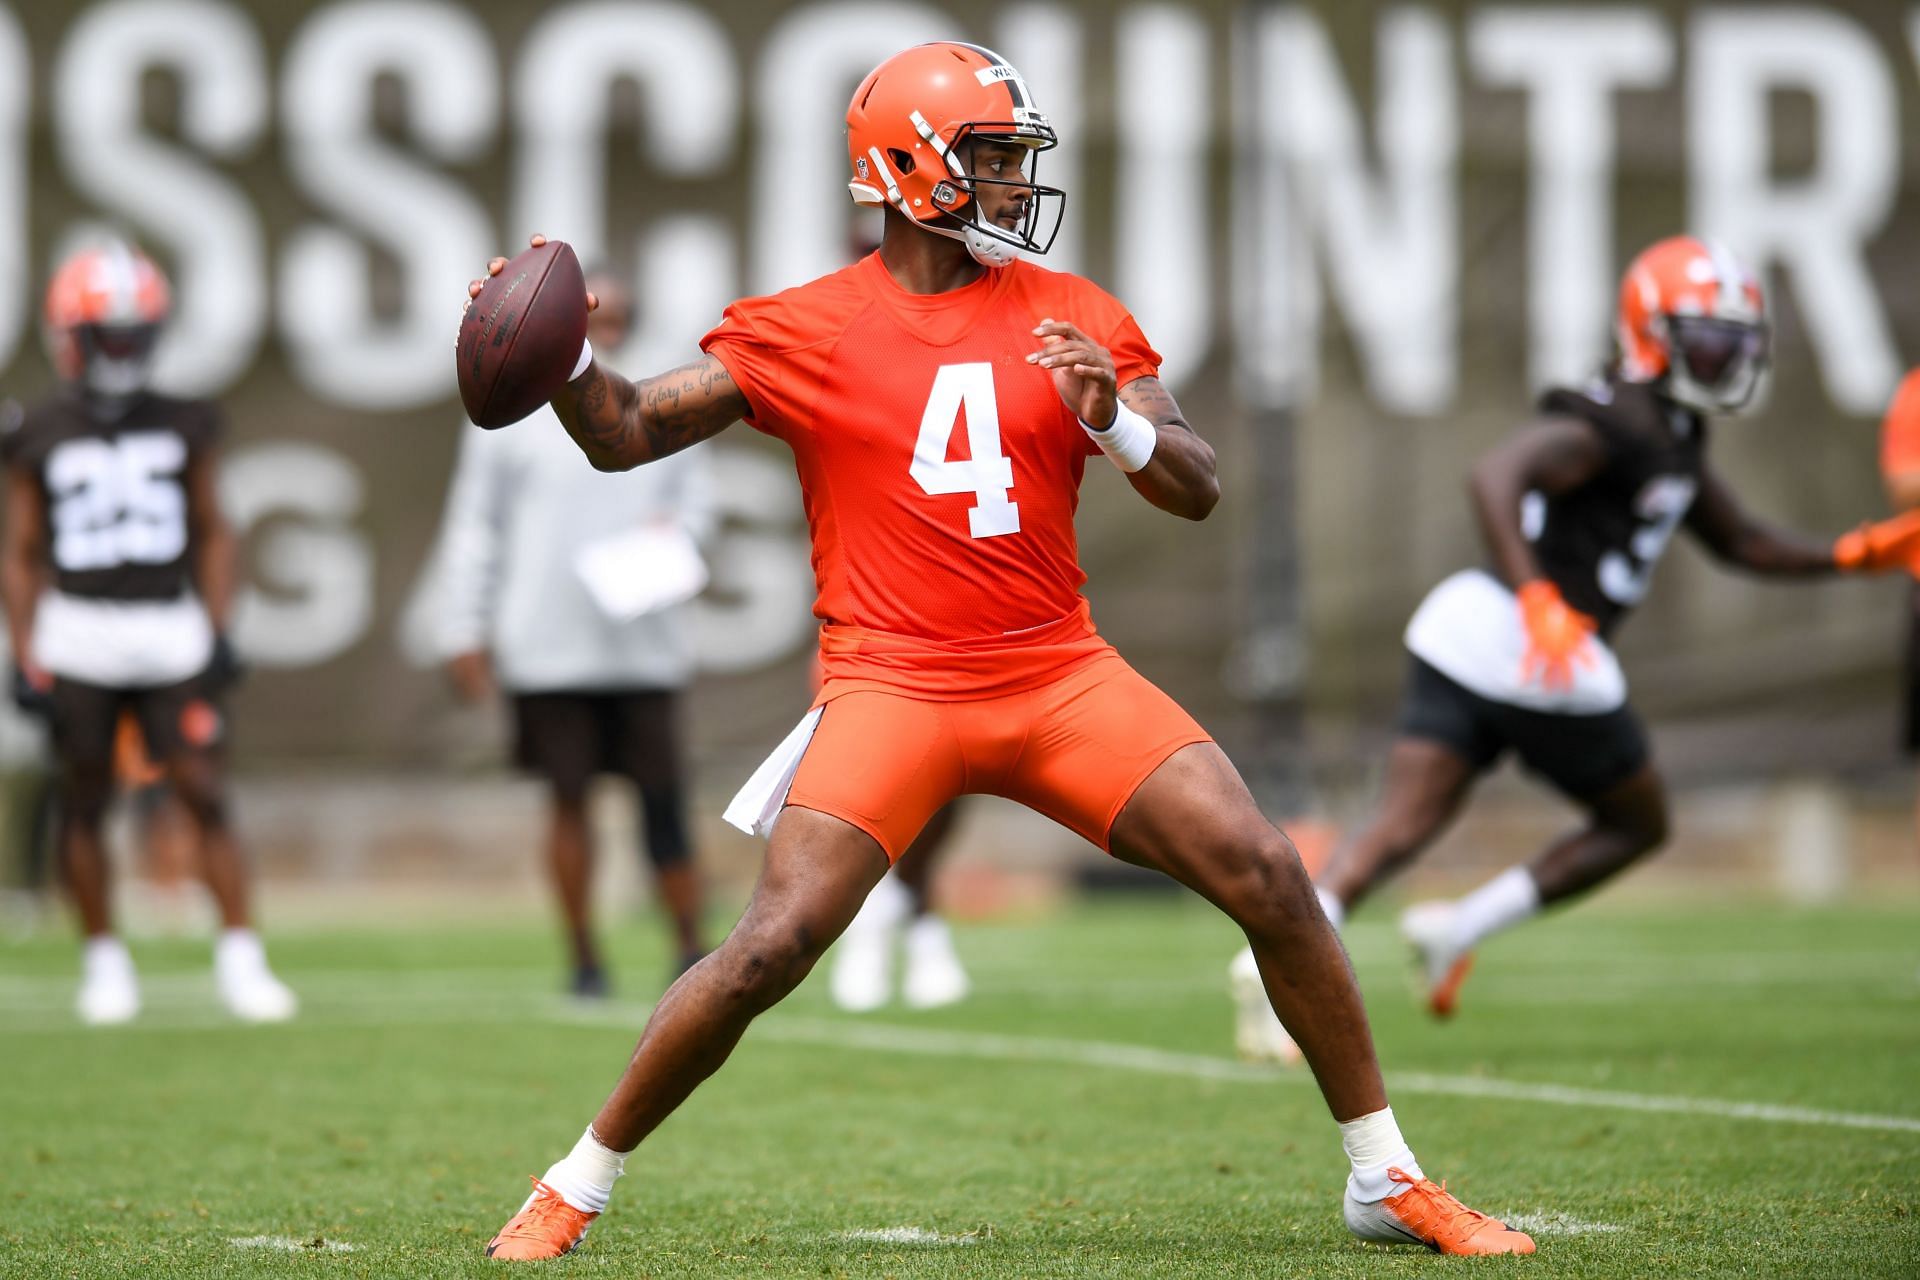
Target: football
(520,339)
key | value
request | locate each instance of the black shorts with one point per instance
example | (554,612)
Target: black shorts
(568,737)
(173,719)
(1912,737)
(1582,755)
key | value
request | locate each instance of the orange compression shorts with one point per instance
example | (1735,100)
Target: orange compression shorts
(1075,749)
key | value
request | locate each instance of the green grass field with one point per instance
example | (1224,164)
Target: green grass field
(1080,1117)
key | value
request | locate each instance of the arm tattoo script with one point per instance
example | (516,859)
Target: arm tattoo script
(1151,400)
(620,424)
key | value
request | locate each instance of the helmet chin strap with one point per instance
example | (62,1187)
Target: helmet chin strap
(988,251)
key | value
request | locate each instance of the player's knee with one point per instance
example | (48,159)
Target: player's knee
(84,795)
(765,962)
(1266,883)
(664,829)
(206,806)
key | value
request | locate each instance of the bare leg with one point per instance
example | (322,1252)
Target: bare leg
(1425,785)
(1194,820)
(570,860)
(914,868)
(679,887)
(83,809)
(199,782)
(818,871)
(1624,824)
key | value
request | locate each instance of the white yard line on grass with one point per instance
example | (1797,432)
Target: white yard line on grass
(905,1235)
(1545,1222)
(437,1001)
(1127,1057)
(288,1244)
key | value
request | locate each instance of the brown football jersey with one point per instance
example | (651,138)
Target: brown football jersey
(116,494)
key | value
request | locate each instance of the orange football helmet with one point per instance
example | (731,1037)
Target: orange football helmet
(907,127)
(104,310)
(1693,314)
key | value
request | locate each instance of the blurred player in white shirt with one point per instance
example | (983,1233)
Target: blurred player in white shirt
(536,545)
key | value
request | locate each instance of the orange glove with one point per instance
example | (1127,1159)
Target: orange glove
(1876,547)
(1558,636)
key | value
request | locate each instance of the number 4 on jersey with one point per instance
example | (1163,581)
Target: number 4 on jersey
(986,473)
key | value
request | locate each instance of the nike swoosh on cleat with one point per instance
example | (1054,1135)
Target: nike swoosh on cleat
(1394,1223)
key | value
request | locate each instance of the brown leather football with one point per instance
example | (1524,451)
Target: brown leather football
(521,337)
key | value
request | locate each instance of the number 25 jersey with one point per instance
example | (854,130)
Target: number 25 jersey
(940,471)
(116,497)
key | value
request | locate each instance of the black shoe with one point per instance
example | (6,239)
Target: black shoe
(590,983)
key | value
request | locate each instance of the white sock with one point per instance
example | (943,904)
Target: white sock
(1335,909)
(105,953)
(1374,1145)
(239,949)
(585,1177)
(1500,903)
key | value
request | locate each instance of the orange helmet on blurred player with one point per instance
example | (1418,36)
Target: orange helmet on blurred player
(105,306)
(907,130)
(1693,314)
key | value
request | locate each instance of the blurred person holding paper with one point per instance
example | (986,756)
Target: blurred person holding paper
(563,589)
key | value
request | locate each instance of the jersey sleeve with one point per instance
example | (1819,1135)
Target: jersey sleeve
(753,364)
(29,437)
(1133,356)
(1900,434)
(1618,415)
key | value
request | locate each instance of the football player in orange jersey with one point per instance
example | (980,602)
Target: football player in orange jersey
(941,398)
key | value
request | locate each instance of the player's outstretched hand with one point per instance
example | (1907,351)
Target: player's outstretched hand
(496,265)
(1082,372)
(1877,547)
(1559,636)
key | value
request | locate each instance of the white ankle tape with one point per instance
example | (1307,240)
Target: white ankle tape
(1128,441)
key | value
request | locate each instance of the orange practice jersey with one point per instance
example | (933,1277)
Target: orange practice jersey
(1900,437)
(940,471)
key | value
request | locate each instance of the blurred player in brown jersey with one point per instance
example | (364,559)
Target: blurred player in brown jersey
(117,572)
(1576,509)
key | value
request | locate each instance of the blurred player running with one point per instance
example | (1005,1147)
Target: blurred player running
(941,399)
(117,570)
(1576,508)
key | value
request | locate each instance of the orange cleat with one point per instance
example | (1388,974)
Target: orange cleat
(1426,1213)
(1444,994)
(546,1227)
(1428,927)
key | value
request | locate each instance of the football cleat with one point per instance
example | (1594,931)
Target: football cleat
(1428,927)
(1257,1033)
(934,975)
(109,993)
(546,1227)
(1426,1213)
(247,987)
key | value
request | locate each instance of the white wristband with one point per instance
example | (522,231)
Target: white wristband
(586,358)
(1128,441)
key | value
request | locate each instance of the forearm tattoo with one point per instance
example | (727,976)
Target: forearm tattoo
(1151,400)
(628,423)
